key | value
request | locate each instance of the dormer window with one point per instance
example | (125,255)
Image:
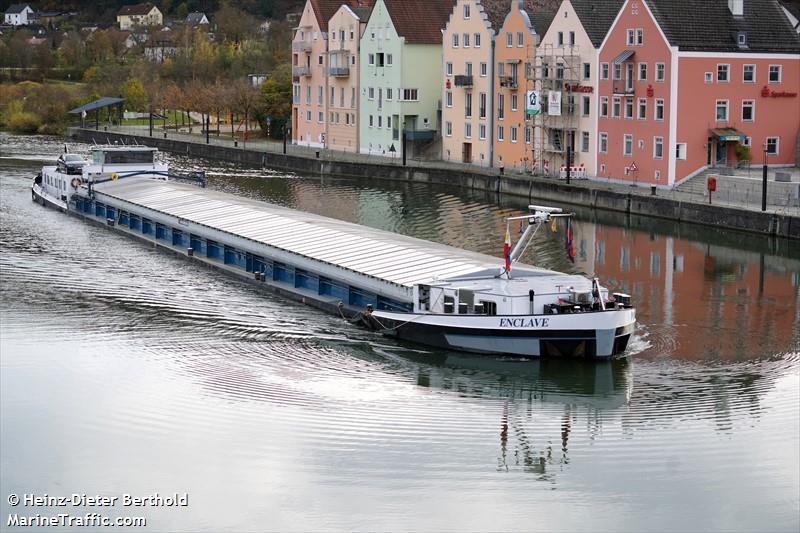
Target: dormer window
(741,39)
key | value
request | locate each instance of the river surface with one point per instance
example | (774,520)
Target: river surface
(125,370)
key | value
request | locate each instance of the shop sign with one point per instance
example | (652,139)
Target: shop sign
(533,105)
(577,88)
(765,92)
(554,103)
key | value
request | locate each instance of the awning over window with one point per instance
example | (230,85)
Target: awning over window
(624,56)
(728,134)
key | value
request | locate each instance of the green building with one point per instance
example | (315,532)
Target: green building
(401,75)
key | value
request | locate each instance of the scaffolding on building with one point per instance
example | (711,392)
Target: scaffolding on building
(553,71)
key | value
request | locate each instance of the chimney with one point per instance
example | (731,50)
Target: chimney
(736,7)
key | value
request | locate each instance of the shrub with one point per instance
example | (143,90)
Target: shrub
(743,152)
(24,122)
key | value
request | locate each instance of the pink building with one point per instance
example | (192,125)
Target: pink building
(685,86)
(346,28)
(310,72)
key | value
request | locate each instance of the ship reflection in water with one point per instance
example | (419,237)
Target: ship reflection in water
(531,390)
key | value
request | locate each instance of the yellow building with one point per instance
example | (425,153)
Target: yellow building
(139,15)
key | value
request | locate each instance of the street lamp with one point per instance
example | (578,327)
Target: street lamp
(764,179)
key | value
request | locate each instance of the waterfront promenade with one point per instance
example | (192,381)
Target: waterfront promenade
(735,188)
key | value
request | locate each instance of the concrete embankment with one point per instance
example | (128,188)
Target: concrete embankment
(582,193)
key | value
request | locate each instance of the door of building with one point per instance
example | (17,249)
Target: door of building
(466,153)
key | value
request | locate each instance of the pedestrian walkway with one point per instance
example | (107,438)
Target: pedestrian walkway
(741,189)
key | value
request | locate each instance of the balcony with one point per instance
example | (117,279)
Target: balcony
(463,81)
(621,88)
(339,72)
(299,72)
(420,135)
(510,82)
(301,46)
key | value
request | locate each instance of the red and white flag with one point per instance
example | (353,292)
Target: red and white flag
(507,249)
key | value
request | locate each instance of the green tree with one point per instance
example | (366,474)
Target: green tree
(135,95)
(276,94)
(182,11)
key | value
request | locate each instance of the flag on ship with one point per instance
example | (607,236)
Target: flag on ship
(507,249)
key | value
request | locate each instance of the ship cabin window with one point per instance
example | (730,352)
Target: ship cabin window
(489,307)
(449,304)
(122,157)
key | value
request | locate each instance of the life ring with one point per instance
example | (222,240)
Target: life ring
(114,176)
(76,182)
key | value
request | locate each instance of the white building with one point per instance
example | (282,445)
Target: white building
(19,15)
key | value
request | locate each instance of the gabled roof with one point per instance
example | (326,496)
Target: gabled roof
(195,18)
(17,8)
(792,6)
(137,9)
(325,9)
(710,26)
(541,21)
(597,16)
(420,21)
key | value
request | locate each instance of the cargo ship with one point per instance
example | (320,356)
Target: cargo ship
(412,289)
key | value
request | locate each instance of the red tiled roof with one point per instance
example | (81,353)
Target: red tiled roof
(325,9)
(420,21)
(138,9)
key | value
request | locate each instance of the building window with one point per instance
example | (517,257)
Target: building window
(483,69)
(410,95)
(586,106)
(749,74)
(709,77)
(773,145)
(658,147)
(468,105)
(617,71)
(748,110)
(320,117)
(560,38)
(448,68)
(320,95)
(448,129)
(514,102)
(572,38)
(477,40)
(501,111)
(371,121)
(722,73)
(500,133)
(468,130)
(520,39)
(680,151)
(482,132)
(584,141)
(468,68)
(631,37)
(455,40)
(748,141)
(389,60)
(639,37)
(465,38)
(642,115)
(448,99)
(659,110)
(371,93)
(604,106)
(509,39)
(603,143)
(380,121)
(660,71)
(603,71)
(389,93)
(527,135)
(308,116)
(371,59)
(722,111)
(513,134)
(501,69)
(629,108)
(616,107)
(774,73)
(466,11)
(642,71)
(587,71)
(482,105)
(627,148)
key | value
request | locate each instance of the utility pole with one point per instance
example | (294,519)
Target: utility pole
(208,127)
(764,181)
(150,114)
